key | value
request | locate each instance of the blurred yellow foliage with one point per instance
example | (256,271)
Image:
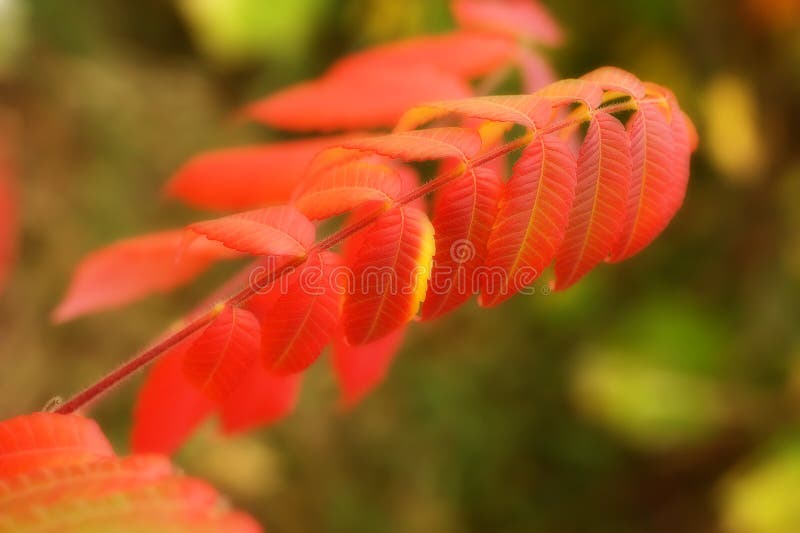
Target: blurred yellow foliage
(231,32)
(652,406)
(383,20)
(13,18)
(732,133)
(763,498)
(245,467)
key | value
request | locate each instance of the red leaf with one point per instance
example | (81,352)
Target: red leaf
(466,55)
(648,208)
(8,214)
(618,80)
(261,399)
(463,216)
(168,408)
(422,145)
(345,187)
(359,369)
(248,176)
(518,18)
(390,268)
(681,159)
(684,142)
(604,178)
(220,357)
(356,99)
(44,440)
(524,110)
(133,268)
(566,92)
(303,317)
(532,218)
(273,231)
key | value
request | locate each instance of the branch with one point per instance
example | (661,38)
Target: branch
(109,381)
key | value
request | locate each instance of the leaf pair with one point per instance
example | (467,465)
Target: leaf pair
(59,473)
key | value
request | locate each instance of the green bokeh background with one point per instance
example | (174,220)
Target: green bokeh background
(660,395)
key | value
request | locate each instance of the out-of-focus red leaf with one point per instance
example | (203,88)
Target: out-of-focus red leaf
(536,72)
(168,408)
(133,268)
(519,18)
(55,489)
(359,369)
(246,177)
(218,360)
(362,98)
(272,231)
(260,400)
(85,480)
(43,440)
(464,54)
(8,212)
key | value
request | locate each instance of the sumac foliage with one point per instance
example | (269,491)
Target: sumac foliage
(59,473)
(602,168)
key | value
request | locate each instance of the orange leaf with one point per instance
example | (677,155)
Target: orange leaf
(223,353)
(531,220)
(133,268)
(44,440)
(360,98)
(246,177)
(168,408)
(273,231)
(463,216)
(517,18)
(595,222)
(261,399)
(648,208)
(390,268)
(359,369)
(345,187)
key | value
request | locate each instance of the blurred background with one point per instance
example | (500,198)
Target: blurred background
(660,395)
